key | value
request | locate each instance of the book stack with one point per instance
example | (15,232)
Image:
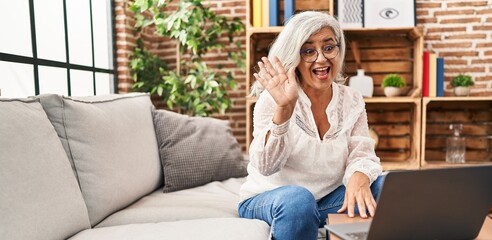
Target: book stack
(266,12)
(433,75)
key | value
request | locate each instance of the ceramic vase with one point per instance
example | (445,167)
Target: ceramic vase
(461,91)
(392,91)
(363,83)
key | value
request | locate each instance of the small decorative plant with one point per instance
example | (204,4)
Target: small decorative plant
(392,84)
(461,84)
(462,80)
(393,80)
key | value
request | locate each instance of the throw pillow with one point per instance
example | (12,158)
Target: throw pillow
(196,150)
(112,144)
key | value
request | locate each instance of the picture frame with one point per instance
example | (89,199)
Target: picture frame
(389,13)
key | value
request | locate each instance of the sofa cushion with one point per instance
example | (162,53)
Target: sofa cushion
(196,150)
(204,229)
(39,195)
(215,199)
(112,144)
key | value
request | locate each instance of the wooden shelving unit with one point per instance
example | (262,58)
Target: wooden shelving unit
(406,125)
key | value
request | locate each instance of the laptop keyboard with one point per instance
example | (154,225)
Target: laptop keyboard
(358,235)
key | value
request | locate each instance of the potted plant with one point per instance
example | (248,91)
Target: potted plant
(191,87)
(392,84)
(461,84)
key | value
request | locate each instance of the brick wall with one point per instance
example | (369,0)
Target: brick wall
(458,30)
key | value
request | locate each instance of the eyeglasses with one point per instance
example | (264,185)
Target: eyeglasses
(310,55)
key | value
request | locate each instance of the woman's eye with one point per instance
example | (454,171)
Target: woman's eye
(328,48)
(308,51)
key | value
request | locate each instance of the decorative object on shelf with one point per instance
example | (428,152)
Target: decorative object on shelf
(440,76)
(192,88)
(461,84)
(289,8)
(389,13)
(455,145)
(274,12)
(361,82)
(349,13)
(392,84)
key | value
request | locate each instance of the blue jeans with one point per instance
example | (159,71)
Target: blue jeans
(293,213)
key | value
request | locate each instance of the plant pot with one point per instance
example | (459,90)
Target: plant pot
(392,91)
(461,91)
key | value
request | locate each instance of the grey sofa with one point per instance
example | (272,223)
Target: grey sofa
(112,167)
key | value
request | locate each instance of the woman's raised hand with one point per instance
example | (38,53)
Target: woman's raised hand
(280,84)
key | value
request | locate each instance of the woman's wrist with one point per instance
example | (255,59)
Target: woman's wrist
(282,114)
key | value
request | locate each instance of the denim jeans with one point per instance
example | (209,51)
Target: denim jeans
(293,213)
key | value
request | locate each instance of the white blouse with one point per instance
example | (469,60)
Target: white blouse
(296,155)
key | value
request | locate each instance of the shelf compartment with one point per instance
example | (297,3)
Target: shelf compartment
(385,51)
(397,125)
(475,113)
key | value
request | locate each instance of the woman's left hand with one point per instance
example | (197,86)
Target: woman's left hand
(358,192)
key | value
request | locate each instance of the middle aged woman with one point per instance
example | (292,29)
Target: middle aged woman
(311,154)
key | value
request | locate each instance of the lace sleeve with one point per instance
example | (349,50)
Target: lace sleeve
(362,156)
(268,158)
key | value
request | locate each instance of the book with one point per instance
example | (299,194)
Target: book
(440,76)
(432,75)
(289,8)
(257,6)
(425,73)
(265,20)
(274,11)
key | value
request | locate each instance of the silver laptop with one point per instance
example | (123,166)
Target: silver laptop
(449,203)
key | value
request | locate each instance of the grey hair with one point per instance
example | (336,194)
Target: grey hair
(296,32)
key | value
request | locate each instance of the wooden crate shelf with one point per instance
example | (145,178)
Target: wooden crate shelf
(385,51)
(397,124)
(475,113)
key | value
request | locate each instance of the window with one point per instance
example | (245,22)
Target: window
(56,46)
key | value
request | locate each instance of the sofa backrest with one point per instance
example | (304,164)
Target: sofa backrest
(39,195)
(111,143)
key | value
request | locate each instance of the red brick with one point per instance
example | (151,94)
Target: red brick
(482,61)
(426,20)
(458,54)
(465,70)
(482,28)
(467,36)
(432,37)
(460,20)
(455,61)
(467,4)
(454,12)
(484,11)
(484,45)
(452,45)
(446,29)
(428,5)
(488,53)
(484,78)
